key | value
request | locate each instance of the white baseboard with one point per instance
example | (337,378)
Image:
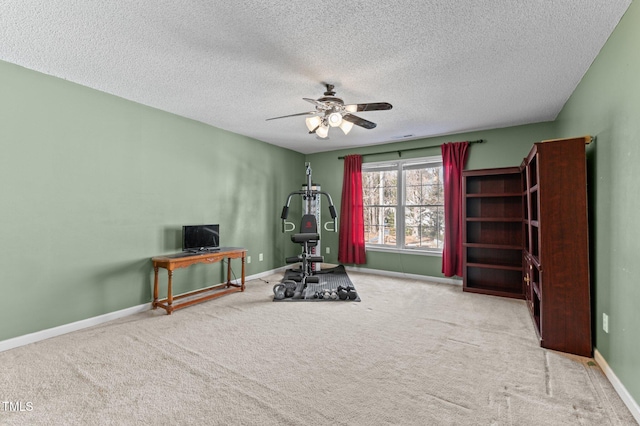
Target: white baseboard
(68,328)
(405,275)
(631,403)
(37,336)
(260,274)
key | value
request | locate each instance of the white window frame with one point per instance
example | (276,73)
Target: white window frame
(398,165)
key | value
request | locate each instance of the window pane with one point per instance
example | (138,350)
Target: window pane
(380,225)
(423,186)
(432,175)
(424,227)
(380,188)
(433,195)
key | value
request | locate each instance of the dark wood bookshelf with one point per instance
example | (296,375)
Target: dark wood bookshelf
(493,233)
(556,256)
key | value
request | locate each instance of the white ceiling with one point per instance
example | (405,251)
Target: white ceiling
(447,67)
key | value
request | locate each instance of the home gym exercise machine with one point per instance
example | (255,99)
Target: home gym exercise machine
(305,282)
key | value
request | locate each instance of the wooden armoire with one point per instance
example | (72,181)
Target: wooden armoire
(526,235)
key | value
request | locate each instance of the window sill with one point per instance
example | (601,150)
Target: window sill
(404,251)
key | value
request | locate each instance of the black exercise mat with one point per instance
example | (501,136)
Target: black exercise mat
(330,280)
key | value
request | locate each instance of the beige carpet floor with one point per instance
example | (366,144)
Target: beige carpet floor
(410,353)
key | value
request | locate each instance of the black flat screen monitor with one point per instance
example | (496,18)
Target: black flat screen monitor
(200,237)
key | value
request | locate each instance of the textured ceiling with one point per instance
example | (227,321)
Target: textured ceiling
(447,67)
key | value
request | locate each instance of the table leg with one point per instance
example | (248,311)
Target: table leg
(169,293)
(242,280)
(155,287)
(228,272)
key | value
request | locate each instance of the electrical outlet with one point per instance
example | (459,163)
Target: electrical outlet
(605,322)
(260,257)
(248,259)
(328,250)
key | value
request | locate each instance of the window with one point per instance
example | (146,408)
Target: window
(404,205)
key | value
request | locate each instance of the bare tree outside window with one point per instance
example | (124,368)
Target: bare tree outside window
(380,196)
(424,207)
(403,204)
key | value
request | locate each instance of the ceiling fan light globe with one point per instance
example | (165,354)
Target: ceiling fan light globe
(335,119)
(346,126)
(351,108)
(313,122)
(323,131)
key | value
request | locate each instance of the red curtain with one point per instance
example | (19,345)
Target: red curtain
(351,238)
(454,156)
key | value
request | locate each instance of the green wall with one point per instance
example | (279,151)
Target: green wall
(502,148)
(606,105)
(92,186)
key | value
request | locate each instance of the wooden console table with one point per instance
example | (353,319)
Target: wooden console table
(184,260)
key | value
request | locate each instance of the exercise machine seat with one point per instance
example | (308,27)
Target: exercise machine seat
(305,238)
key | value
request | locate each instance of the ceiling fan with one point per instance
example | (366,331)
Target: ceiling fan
(332,112)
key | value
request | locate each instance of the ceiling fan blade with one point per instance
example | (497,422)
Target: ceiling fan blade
(359,121)
(316,102)
(376,106)
(292,115)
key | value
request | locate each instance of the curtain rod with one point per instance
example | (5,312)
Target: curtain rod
(400,151)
